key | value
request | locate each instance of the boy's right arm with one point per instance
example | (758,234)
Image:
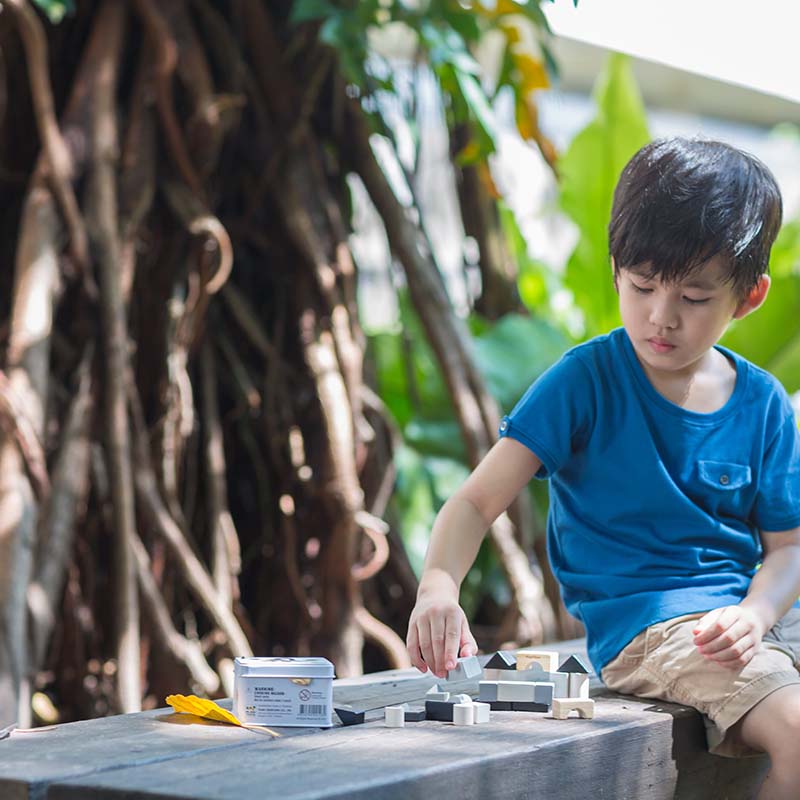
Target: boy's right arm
(438,632)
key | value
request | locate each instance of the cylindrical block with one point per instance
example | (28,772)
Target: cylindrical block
(463,714)
(395,717)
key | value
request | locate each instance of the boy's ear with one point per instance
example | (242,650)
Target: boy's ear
(758,294)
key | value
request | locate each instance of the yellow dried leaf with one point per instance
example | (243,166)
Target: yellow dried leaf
(207,709)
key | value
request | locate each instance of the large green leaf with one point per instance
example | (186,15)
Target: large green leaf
(514,352)
(589,172)
(770,336)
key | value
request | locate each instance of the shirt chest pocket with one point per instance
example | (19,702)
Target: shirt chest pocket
(724,476)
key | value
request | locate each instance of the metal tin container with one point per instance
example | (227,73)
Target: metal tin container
(293,692)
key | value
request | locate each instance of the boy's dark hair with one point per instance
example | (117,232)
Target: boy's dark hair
(680,202)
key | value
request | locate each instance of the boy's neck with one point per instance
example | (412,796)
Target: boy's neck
(703,387)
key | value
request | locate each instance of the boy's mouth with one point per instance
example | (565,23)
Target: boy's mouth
(660,345)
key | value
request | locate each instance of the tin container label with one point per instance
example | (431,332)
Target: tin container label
(285,701)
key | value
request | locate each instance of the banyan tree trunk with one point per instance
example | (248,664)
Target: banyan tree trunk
(192,465)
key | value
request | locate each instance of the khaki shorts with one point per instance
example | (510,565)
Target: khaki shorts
(663,663)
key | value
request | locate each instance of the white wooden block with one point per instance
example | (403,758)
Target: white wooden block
(563,705)
(435,693)
(395,717)
(464,714)
(483,712)
(579,685)
(460,698)
(547,658)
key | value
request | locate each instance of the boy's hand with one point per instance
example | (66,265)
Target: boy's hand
(438,633)
(729,635)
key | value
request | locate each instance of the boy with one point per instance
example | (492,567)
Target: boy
(674,468)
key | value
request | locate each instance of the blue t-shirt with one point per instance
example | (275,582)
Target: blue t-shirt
(654,510)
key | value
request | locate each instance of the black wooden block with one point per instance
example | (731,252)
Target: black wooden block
(349,717)
(502,659)
(416,714)
(439,710)
(530,707)
(501,705)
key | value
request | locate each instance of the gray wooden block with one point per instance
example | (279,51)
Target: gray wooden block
(544,693)
(466,669)
(487,691)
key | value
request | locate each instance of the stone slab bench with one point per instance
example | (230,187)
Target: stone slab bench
(631,749)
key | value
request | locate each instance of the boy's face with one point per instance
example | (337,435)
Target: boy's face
(673,326)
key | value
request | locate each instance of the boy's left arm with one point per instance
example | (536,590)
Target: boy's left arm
(731,635)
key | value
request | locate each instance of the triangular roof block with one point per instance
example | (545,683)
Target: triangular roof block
(574,664)
(502,659)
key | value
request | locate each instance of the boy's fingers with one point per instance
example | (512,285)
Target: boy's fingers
(412,645)
(469,647)
(437,646)
(425,645)
(733,661)
(452,638)
(729,637)
(713,624)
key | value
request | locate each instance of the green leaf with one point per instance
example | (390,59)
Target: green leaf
(306,10)
(770,336)
(514,352)
(589,172)
(56,10)
(436,438)
(445,46)
(480,109)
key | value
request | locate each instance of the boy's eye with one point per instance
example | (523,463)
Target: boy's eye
(696,301)
(640,289)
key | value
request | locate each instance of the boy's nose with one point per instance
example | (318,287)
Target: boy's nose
(663,314)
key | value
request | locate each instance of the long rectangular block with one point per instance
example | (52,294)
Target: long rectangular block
(519,692)
(538,707)
(536,674)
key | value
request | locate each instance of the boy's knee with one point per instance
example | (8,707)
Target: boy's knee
(773,725)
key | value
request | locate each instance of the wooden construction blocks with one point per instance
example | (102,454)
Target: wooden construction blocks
(562,707)
(414,713)
(435,693)
(394,716)
(548,659)
(499,666)
(465,669)
(349,716)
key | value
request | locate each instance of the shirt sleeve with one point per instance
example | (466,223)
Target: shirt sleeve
(554,417)
(778,502)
